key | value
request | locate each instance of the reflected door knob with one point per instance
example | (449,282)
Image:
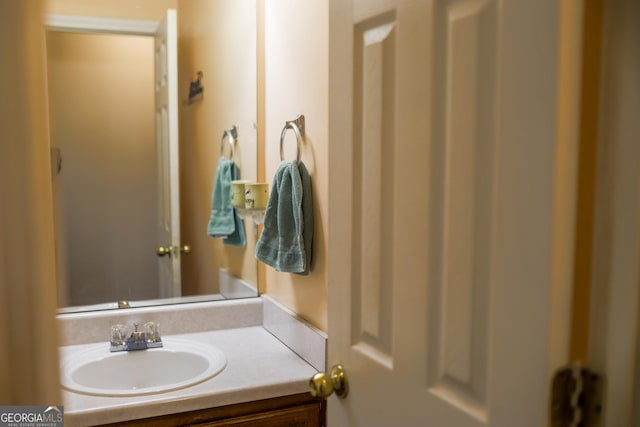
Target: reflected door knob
(323,384)
(171,250)
(163,250)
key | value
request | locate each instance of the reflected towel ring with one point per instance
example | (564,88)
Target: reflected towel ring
(231,135)
(297,126)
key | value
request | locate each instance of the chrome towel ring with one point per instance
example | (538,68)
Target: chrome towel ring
(297,126)
(231,135)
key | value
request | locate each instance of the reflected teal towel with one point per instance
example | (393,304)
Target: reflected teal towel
(224,222)
(287,236)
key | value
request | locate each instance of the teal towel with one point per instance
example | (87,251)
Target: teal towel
(224,222)
(287,237)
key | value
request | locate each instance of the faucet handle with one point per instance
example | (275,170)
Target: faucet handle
(118,335)
(152,332)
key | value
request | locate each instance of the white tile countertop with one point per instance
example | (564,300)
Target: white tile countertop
(259,366)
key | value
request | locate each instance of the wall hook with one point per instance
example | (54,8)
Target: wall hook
(231,136)
(196,90)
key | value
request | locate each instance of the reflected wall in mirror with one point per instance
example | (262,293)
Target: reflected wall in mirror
(107,170)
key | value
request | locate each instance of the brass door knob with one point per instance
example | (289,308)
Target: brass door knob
(173,250)
(322,385)
(164,250)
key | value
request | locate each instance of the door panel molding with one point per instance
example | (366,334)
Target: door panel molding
(373,184)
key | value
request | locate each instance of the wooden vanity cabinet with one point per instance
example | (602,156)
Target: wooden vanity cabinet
(299,410)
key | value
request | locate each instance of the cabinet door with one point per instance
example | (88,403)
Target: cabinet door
(297,416)
(284,411)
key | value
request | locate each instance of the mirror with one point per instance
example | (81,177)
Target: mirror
(108,176)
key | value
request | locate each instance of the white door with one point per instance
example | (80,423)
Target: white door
(166,87)
(449,238)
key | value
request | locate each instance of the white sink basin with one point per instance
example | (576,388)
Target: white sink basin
(180,363)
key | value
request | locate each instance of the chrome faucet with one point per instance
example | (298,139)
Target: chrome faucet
(138,340)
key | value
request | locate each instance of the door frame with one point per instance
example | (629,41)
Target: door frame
(91,24)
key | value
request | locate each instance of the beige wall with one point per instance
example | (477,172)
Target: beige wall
(102,121)
(28,355)
(218,38)
(297,82)
(615,300)
(150,10)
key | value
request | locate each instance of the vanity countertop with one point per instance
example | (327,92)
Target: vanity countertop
(258,367)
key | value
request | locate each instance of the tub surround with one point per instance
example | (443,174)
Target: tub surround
(264,344)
